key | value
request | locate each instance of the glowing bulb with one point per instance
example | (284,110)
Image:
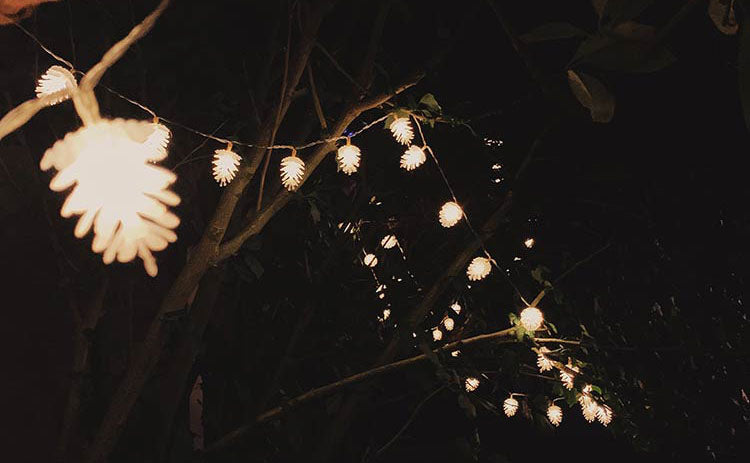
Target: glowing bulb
(450,214)
(529,243)
(413,158)
(510,406)
(388,241)
(292,171)
(370,260)
(158,141)
(589,410)
(57,80)
(471,384)
(478,268)
(531,318)
(386,314)
(567,378)
(225,165)
(347,158)
(437,335)
(604,414)
(554,415)
(448,323)
(456,307)
(401,130)
(115,190)
(542,361)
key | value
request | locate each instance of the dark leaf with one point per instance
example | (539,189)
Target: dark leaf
(743,64)
(617,11)
(430,102)
(593,95)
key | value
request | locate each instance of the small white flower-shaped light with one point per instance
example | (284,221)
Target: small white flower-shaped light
(471,383)
(115,190)
(531,318)
(292,171)
(225,165)
(437,335)
(401,130)
(542,361)
(347,158)
(456,307)
(448,323)
(388,241)
(370,260)
(158,141)
(413,158)
(450,214)
(529,243)
(56,81)
(604,414)
(554,414)
(479,268)
(510,406)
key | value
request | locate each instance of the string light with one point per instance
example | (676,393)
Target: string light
(413,158)
(225,165)
(510,406)
(292,171)
(479,268)
(589,406)
(531,318)
(450,214)
(448,323)
(57,80)
(370,260)
(542,361)
(388,241)
(529,243)
(604,414)
(471,384)
(437,335)
(348,157)
(456,307)
(158,141)
(401,130)
(567,378)
(554,414)
(115,190)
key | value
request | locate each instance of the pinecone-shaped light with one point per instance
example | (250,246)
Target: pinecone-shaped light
(456,307)
(115,190)
(370,260)
(388,241)
(401,130)
(158,141)
(448,323)
(479,268)
(531,318)
(450,214)
(437,335)
(604,414)
(542,361)
(292,171)
(56,81)
(413,158)
(471,384)
(554,414)
(225,165)
(567,378)
(347,158)
(510,406)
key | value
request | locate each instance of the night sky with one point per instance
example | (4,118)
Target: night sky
(649,210)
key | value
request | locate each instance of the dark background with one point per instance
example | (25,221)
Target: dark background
(663,184)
